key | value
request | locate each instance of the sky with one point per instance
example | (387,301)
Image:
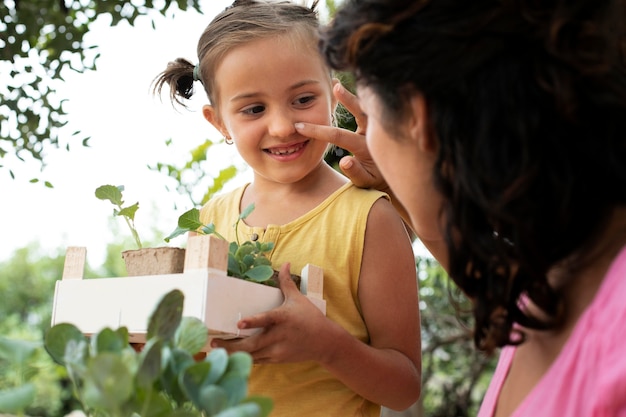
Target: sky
(129,128)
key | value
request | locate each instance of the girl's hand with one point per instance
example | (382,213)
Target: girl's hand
(360,167)
(293,332)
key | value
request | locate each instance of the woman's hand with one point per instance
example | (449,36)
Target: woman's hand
(294,332)
(359,167)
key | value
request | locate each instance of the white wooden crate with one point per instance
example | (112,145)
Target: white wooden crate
(210,295)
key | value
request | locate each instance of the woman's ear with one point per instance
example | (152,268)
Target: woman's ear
(210,114)
(419,126)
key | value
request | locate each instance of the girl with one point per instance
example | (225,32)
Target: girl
(262,72)
(500,126)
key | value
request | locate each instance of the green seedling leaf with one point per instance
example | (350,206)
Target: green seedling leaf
(191,335)
(149,403)
(240,362)
(129,211)
(114,195)
(174,362)
(167,316)
(57,338)
(15,400)
(150,367)
(248,261)
(17,351)
(108,340)
(236,385)
(259,273)
(265,405)
(188,221)
(248,409)
(213,399)
(261,260)
(192,379)
(233,268)
(108,383)
(218,358)
(111,193)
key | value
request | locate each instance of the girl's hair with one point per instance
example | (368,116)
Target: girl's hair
(240,23)
(527,100)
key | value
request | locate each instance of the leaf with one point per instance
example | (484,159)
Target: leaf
(167,316)
(212,399)
(149,403)
(236,385)
(248,409)
(15,400)
(192,379)
(111,193)
(240,362)
(191,335)
(218,358)
(17,351)
(108,383)
(174,362)
(265,404)
(188,221)
(150,367)
(129,211)
(108,340)
(233,266)
(259,273)
(57,338)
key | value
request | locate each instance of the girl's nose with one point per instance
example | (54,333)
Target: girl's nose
(281,125)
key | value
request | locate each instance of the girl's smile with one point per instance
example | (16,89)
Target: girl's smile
(289,152)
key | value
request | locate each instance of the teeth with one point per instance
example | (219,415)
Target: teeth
(288,151)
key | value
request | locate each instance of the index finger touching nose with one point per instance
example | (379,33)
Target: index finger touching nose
(341,137)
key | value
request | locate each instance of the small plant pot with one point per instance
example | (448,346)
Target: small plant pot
(154,261)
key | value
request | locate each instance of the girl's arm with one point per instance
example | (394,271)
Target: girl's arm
(388,371)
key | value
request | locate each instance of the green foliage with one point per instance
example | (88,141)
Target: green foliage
(192,175)
(30,383)
(454,374)
(114,195)
(111,379)
(246,260)
(40,39)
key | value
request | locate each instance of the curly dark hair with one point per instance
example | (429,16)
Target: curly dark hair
(527,100)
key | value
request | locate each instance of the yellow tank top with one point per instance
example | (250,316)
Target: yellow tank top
(330,236)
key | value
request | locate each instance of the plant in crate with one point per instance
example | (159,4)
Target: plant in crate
(142,261)
(246,260)
(111,379)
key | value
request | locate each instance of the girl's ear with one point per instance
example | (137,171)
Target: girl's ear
(419,126)
(210,114)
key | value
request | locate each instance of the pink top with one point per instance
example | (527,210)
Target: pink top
(588,378)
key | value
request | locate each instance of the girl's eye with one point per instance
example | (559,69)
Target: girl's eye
(253,110)
(305,99)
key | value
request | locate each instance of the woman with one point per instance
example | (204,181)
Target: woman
(500,127)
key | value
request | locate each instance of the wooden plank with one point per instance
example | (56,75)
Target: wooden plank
(74,266)
(312,284)
(206,252)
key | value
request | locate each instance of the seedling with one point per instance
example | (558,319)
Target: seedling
(114,195)
(246,260)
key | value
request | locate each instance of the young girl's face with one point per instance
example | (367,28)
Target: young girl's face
(263,88)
